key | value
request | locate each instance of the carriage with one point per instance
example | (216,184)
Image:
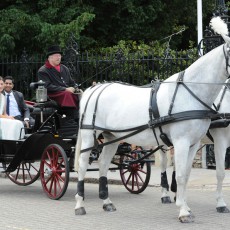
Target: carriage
(47,151)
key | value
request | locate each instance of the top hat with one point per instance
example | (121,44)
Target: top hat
(53,50)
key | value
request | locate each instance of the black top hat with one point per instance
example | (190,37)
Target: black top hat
(53,50)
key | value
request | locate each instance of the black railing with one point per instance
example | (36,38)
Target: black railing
(136,69)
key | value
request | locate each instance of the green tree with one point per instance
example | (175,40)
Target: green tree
(37,24)
(145,20)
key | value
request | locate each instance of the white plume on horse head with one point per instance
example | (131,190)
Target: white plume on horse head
(219,26)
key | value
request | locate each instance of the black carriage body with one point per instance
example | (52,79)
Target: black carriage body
(8,148)
(30,149)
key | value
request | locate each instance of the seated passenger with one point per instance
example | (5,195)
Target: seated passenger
(58,81)
(16,106)
(10,128)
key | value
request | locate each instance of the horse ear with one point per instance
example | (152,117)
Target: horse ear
(226,38)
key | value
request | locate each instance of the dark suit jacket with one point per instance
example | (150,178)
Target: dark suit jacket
(55,81)
(23,108)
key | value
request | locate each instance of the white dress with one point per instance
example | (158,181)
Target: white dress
(10,129)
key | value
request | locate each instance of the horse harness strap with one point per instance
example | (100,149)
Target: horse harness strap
(144,127)
(224,120)
(217,107)
(153,108)
(115,130)
(94,113)
(86,106)
(157,121)
(180,82)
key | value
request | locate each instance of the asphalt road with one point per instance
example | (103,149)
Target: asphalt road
(28,208)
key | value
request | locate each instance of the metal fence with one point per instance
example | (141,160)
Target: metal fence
(136,69)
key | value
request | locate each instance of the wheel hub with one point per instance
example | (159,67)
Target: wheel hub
(49,171)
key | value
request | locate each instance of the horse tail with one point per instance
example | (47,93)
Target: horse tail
(77,151)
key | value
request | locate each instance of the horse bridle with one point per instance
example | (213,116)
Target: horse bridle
(226,55)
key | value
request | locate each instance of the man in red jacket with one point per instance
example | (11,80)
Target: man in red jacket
(58,81)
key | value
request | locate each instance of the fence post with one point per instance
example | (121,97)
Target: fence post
(70,57)
(24,74)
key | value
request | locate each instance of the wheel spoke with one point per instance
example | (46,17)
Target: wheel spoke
(137,181)
(55,186)
(141,170)
(51,184)
(18,169)
(28,171)
(59,164)
(133,181)
(46,163)
(48,179)
(58,183)
(60,178)
(48,155)
(139,176)
(128,179)
(31,165)
(125,172)
(23,173)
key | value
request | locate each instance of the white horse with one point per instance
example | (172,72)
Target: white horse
(221,140)
(115,110)
(220,137)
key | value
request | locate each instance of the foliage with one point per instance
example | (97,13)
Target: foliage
(138,63)
(145,20)
(38,23)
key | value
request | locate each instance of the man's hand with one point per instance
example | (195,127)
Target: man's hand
(27,124)
(70,89)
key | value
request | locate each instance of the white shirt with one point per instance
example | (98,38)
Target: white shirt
(14,110)
(2,103)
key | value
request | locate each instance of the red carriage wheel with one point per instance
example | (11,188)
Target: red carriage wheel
(25,174)
(135,177)
(54,171)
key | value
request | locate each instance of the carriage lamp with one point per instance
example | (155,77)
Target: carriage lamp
(41,92)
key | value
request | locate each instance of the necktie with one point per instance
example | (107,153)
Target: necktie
(8,104)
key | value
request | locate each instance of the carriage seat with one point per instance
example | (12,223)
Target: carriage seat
(47,108)
(68,122)
(68,117)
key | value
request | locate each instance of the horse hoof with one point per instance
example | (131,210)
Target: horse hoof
(80,211)
(165,200)
(109,207)
(186,219)
(222,209)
